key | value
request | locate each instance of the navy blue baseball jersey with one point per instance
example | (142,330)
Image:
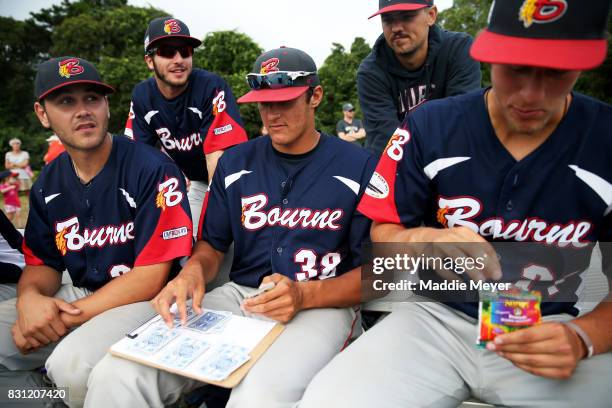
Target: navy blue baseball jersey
(296,217)
(133,213)
(445,167)
(201,120)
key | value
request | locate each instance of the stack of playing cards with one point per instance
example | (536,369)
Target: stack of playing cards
(209,322)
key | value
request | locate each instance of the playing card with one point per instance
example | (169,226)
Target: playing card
(226,359)
(182,352)
(208,320)
(153,339)
(177,317)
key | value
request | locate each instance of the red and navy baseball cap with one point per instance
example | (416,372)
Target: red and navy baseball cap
(556,34)
(387,6)
(281,75)
(168,27)
(59,72)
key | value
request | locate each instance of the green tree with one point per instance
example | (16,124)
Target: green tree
(468,16)
(598,82)
(339,79)
(231,55)
(107,38)
(101,31)
(24,45)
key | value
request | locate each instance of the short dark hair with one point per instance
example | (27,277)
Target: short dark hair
(309,94)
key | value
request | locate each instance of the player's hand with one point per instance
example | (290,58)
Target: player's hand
(38,318)
(188,284)
(462,242)
(550,350)
(71,320)
(24,345)
(281,303)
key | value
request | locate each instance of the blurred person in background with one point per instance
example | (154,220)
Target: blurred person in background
(55,149)
(18,161)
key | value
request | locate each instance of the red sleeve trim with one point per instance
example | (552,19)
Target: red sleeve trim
(224,132)
(378,202)
(172,238)
(178,253)
(129,128)
(30,258)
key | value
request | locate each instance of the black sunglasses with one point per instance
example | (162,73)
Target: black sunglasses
(170,50)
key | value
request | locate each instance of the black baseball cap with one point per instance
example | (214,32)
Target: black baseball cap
(168,27)
(283,59)
(564,35)
(59,72)
(387,6)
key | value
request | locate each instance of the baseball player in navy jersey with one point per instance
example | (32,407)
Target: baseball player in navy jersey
(288,202)
(190,113)
(111,212)
(525,160)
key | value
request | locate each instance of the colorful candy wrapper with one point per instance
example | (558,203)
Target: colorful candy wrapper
(505,312)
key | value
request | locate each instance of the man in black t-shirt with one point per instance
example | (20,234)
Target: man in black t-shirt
(350,129)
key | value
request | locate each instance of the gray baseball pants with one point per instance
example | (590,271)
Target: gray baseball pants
(278,379)
(424,356)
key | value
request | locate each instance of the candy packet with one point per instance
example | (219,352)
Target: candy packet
(506,312)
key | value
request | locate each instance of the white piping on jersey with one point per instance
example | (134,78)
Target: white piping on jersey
(149,116)
(232,178)
(196,111)
(51,197)
(128,198)
(436,166)
(598,184)
(129,133)
(352,184)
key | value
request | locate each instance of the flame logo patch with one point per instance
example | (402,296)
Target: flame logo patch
(70,67)
(541,11)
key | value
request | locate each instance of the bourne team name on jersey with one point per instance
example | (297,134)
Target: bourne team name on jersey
(69,238)
(298,219)
(68,235)
(456,173)
(202,120)
(133,213)
(463,212)
(255,216)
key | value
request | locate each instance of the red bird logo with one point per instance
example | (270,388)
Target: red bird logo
(541,11)
(268,66)
(70,67)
